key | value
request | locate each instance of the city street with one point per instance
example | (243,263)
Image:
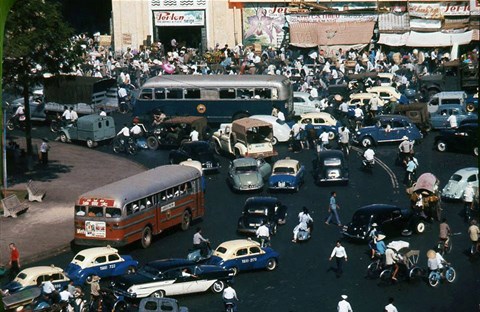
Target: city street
(303,280)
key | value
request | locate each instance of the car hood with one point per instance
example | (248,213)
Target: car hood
(248,178)
(215,260)
(454,188)
(126,281)
(205,157)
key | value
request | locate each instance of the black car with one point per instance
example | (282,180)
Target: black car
(197,150)
(261,209)
(330,166)
(464,138)
(171,277)
(391,220)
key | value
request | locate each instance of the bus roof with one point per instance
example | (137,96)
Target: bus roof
(206,81)
(144,184)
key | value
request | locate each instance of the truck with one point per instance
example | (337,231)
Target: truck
(246,137)
(450,76)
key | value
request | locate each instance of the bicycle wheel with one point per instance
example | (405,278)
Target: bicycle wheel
(415,272)
(386,275)
(450,275)
(117,146)
(433,279)
(373,269)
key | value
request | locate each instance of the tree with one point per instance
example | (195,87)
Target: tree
(37,41)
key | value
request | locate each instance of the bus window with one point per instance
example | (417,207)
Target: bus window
(274,93)
(226,93)
(163,195)
(245,93)
(80,210)
(129,208)
(159,94)
(175,94)
(95,212)
(113,212)
(192,93)
(264,93)
(146,94)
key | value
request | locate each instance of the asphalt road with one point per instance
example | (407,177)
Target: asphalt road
(303,280)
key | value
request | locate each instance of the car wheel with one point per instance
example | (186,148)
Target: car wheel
(367,141)
(235,271)
(120,307)
(158,294)
(441,146)
(131,270)
(420,227)
(331,135)
(63,138)
(475,151)
(89,279)
(186,220)
(271,264)
(90,143)
(152,143)
(274,141)
(218,287)
(146,237)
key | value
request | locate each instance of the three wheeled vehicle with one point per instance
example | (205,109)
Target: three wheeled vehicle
(91,129)
(425,196)
(174,131)
(417,113)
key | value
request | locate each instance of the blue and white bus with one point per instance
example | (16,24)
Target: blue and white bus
(219,98)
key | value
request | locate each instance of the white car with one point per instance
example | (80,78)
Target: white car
(303,103)
(281,131)
(458,182)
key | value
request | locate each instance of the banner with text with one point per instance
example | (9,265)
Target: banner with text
(179,18)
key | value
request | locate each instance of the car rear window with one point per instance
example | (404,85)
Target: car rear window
(221,250)
(21,276)
(456,177)
(79,258)
(245,169)
(286,170)
(332,162)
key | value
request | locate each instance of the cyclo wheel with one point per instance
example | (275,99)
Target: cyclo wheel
(372,269)
(450,274)
(386,275)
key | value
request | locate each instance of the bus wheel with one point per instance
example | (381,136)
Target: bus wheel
(146,237)
(186,219)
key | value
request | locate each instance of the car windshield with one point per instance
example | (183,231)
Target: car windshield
(149,271)
(246,169)
(286,170)
(332,162)
(456,177)
(79,258)
(200,149)
(360,218)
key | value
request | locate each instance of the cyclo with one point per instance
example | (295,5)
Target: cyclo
(425,197)
(408,259)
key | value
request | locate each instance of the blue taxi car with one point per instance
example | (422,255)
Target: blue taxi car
(244,255)
(287,174)
(100,261)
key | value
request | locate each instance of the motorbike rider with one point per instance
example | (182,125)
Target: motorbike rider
(65,297)
(263,233)
(368,156)
(124,134)
(305,222)
(138,129)
(199,242)
(230,296)
(122,95)
(20,113)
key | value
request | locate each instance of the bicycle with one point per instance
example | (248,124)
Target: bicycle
(445,246)
(375,267)
(447,272)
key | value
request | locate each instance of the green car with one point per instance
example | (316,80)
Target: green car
(91,128)
(248,174)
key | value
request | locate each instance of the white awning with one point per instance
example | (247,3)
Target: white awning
(426,39)
(394,40)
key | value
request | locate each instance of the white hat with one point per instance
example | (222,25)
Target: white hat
(404,138)
(374,224)
(344,297)
(380,237)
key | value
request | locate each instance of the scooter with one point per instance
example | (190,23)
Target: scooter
(304,235)
(14,122)
(196,254)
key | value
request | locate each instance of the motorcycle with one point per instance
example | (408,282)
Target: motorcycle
(196,254)
(447,272)
(127,145)
(368,164)
(230,306)
(14,122)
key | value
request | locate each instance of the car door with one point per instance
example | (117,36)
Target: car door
(114,261)
(398,130)
(383,134)
(243,259)
(264,168)
(439,118)
(255,258)
(100,266)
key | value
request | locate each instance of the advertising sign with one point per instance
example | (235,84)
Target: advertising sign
(179,18)
(264,25)
(95,229)
(425,10)
(331,18)
(455,8)
(97,202)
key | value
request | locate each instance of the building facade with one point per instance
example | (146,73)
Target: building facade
(203,24)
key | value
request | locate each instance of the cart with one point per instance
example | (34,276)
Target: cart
(408,264)
(425,196)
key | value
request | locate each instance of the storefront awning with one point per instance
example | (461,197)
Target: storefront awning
(426,39)
(306,35)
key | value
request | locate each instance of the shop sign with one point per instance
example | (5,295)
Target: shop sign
(264,25)
(179,18)
(332,18)
(425,10)
(455,8)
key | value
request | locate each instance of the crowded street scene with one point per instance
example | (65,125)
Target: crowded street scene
(239,156)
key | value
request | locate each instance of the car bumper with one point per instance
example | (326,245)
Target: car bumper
(124,293)
(359,237)
(450,196)
(262,154)
(248,231)
(247,188)
(93,242)
(289,187)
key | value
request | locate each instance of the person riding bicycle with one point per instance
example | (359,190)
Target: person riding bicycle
(229,296)
(435,261)
(368,156)
(444,232)
(391,260)
(263,233)
(20,113)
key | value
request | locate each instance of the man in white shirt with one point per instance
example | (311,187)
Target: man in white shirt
(122,94)
(20,113)
(194,135)
(67,115)
(199,242)
(263,233)
(390,307)
(230,296)
(65,295)
(340,255)
(452,120)
(324,140)
(125,132)
(369,154)
(435,260)
(344,305)
(73,115)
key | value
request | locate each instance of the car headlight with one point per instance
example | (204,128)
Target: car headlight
(130,290)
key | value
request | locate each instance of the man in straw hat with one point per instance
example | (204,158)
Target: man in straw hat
(343,305)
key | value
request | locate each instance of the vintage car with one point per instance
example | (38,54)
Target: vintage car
(30,277)
(258,210)
(464,138)
(363,99)
(387,128)
(100,261)
(386,79)
(281,130)
(90,129)
(171,277)
(439,118)
(174,131)
(330,166)
(391,220)
(440,99)
(458,182)
(198,150)
(303,103)
(151,304)
(248,174)
(244,255)
(321,122)
(388,93)
(287,174)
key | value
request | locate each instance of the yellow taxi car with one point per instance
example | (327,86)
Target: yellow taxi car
(33,276)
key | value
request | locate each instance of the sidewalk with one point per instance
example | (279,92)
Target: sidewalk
(47,227)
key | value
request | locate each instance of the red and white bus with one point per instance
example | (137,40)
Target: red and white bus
(138,207)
